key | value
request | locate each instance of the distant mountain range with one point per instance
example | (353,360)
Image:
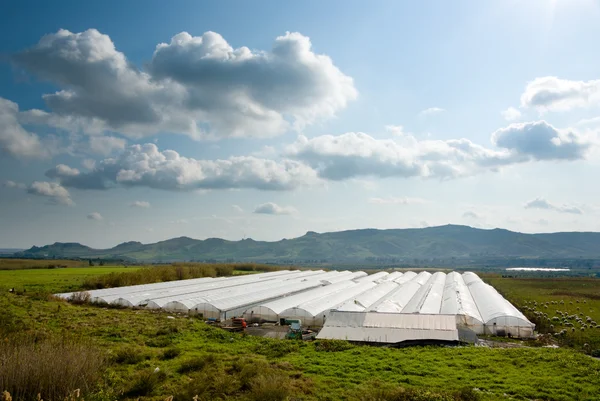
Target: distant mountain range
(355,246)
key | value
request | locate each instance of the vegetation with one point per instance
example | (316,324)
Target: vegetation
(177,271)
(449,245)
(568,309)
(22,264)
(151,355)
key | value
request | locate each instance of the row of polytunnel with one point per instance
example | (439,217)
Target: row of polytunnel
(310,295)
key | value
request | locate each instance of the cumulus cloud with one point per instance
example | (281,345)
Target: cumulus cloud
(541,203)
(62,171)
(140,204)
(430,111)
(52,190)
(15,140)
(273,208)
(95,216)
(13,184)
(147,166)
(105,145)
(511,114)
(357,154)
(237,208)
(541,141)
(554,94)
(354,155)
(199,86)
(397,201)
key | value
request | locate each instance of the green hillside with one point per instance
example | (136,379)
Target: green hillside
(444,242)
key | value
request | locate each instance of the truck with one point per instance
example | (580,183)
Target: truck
(296,332)
(237,324)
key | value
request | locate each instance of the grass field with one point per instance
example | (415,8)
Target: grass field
(194,358)
(54,280)
(546,302)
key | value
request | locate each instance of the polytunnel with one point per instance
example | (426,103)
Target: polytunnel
(458,301)
(247,281)
(395,301)
(187,302)
(392,276)
(271,311)
(369,297)
(375,277)
(341,276)
(406,277)
(228,307)
(499,316)
(315,312)
(428,299)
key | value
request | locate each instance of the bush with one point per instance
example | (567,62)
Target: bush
(596,353)
(79,298)
(197,364)
(270,387)
(129,356)
(52,367)
(145,382)
(170,353)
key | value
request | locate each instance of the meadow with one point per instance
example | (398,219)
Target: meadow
(131,354)
(568,305)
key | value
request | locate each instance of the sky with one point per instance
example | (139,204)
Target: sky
(148,120)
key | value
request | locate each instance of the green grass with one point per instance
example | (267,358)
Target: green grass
(54,280)
(575,296)
(194,358)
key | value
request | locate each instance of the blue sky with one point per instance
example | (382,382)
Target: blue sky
(147,120)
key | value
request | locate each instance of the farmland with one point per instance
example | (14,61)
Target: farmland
(194,358)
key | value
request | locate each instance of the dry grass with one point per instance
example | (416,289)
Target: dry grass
(177,271)
(52,367)
(21,264)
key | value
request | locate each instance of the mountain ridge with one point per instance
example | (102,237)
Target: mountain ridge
(448,241)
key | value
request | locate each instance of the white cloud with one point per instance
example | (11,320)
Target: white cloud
(95,216)
(542,141)
(469,214)
(89,164)
(145,165)
(199,86)
(554,94)
(589,122)
(397,201)
(395,129)
(140,204)
(62,171)
(13,184)
(430,111)
(105,145)
(273,208)
(511,114)
(353,155)
(180,221)
(237,208)
(541,203)
(52,190)
(14,139)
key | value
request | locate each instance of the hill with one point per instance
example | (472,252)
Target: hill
(450,242)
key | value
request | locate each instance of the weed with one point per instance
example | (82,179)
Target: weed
(170,353)
(270,387)
(145,382)
(130,356)
(332,345)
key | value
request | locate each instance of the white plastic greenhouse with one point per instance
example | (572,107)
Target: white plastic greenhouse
(312,295)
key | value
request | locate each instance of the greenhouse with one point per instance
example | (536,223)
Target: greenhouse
(312,295)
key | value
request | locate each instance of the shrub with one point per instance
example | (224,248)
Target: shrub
(145,382)
(53,367)
(79,298)
(170,353)
(596,353)
(270,387)
(197,364)
(129,356)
